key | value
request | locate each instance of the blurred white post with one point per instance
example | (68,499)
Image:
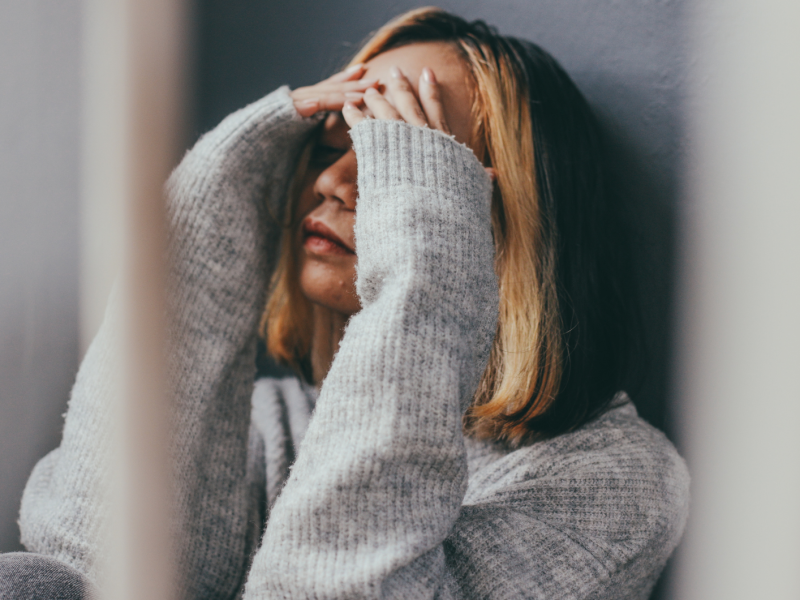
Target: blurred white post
(739,352)
(133,120)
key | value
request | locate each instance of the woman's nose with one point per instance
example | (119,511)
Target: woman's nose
(338,181)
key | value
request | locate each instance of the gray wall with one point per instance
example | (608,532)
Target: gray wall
(39,162)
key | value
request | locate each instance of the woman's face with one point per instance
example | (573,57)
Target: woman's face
(327,201)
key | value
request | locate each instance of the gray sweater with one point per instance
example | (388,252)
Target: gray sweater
(369,490)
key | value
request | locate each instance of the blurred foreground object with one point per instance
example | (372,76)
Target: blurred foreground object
(739,346)
(134,72)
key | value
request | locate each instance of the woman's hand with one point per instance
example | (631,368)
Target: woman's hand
(332,93)
(426,110)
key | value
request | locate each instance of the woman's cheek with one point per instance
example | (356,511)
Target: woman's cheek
(330,283)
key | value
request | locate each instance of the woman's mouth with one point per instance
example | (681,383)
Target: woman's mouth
(318,238)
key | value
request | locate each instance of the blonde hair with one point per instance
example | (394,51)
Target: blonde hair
(524,374)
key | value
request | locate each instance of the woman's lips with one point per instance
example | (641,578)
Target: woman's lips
(320,239)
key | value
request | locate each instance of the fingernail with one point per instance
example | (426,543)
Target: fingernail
(427,75)
(395,72)
(371,91)
(354,68)
(349,105)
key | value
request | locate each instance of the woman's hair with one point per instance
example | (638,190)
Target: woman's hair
(563,337)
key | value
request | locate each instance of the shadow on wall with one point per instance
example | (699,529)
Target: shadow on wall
(649,194)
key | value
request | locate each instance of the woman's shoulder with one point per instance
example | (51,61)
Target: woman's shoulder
(617,469)
(618,439)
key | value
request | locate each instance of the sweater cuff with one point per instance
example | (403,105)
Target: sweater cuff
(396,153)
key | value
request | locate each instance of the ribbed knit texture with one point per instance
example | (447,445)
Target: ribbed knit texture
(369,490)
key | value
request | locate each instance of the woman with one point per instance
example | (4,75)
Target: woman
(447,420)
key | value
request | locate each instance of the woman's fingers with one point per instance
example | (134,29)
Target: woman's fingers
(329,97)
(306,108)
(405,100)
(331,93)
(333,101)
(352,114)
(425,110)
(431,100)
(379,105)
(321,89)
(359,99)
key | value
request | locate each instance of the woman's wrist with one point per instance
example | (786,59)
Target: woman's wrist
(396,153)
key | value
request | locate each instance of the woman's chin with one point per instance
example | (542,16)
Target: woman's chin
(330,287)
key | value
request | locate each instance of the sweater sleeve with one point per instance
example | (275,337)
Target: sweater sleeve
(381,473)
(224,204)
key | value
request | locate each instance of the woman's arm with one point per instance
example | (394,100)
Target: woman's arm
(225,209)
(223,244)
(382,471)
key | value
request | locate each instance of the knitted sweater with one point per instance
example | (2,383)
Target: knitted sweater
(371,489)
